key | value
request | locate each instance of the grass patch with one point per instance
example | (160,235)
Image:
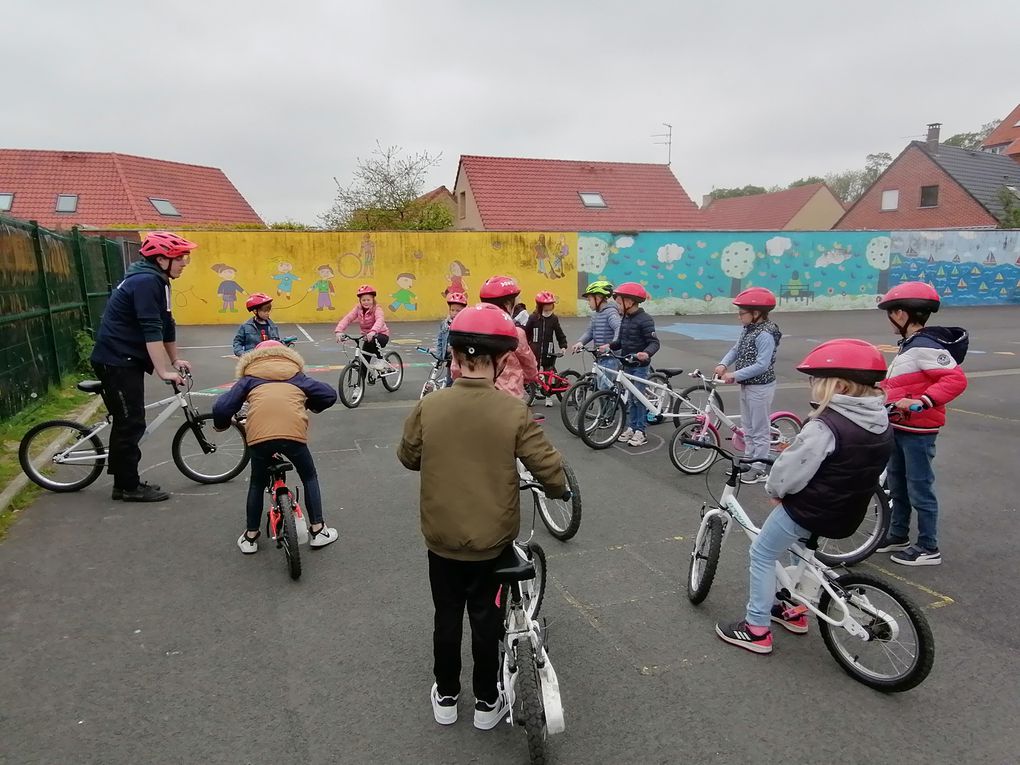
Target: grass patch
(60,402)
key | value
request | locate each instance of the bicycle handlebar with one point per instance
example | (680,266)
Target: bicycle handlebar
(727,455)
(527,485)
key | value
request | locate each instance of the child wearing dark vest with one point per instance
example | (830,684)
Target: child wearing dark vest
(823,483)
(752,359)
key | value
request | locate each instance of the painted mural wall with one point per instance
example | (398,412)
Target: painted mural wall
(313,276)
(700,272)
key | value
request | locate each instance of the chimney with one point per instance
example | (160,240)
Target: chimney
(706,200)
(933,136)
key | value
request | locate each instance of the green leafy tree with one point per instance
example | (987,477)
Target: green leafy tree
(972,140)
(811,179)
(1010,200)
(384,195)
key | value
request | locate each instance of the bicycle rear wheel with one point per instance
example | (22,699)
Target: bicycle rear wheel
(692,459)
(863,542)
(786,429)
(531,713)
(600,420)
(228,457)
(698,396)
(352,385)
(900,650)
(573,399)
(561,517)
(48,441)
(704,559)
(288,538)
(391,381)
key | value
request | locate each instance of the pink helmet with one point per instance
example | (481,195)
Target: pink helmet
(545,298)
(483,329)
(165,244)
(456,298)
(911,296)
(755,297)
(257,300)
(856,360)
(269,344)
(498,288)
(366,289)
(633,290)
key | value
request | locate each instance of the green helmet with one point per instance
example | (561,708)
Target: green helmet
(601,287)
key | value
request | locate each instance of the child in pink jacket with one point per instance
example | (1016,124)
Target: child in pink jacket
(369,316)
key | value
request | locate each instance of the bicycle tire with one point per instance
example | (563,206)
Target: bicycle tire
(532,710)
(849,659)
(707,546)
(570,374)
(291,549)
(601,406)
(232,444)
(352,385)
(531,389)
(26,458)
(427,388)
(788,427)
(573,399)
(875,525)
(391,382)
(535,554)
(566,526)
(698,395)
(679,452)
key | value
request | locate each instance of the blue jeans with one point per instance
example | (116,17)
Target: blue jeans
(636,410)
(602,384)
(296,452)
(777,533)
(912,483)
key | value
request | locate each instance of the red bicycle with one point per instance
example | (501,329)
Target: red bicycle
(285,522)
(551,383)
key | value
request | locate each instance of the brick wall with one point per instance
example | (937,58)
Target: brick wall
(912,170)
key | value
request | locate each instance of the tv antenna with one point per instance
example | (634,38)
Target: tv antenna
(668,143)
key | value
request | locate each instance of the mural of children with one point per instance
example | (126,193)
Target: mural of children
(456,278)
(561,255)
(404,298)
(324,287)
(367,256)
(285,279)
(542,256)
(228,288)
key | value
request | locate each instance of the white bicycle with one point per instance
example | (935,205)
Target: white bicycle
(61,455)
(363,368)
(873,631)
(562,517)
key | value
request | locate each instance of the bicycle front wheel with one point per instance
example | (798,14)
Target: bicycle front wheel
(863,542)
(697,397)
(899,651)
(692,459)
(352,385)
(228,453)
(704,559)
(572,400)
(391,380)
(531,711)
(600,420)
(561,517)
(289,540)
(44,448)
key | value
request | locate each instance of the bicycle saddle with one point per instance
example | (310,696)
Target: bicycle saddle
(670,371)
(512,566)
(90,386)
(279,464)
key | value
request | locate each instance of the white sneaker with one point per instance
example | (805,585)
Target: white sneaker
(638,439)
(488,716)
(378,364)
(247,544)
(626,435)
(322,537)
(549,402)
(444,708)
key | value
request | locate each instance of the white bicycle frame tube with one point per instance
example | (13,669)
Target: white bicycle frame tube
(366,359)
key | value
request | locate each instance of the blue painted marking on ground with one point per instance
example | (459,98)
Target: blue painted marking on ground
(705,331)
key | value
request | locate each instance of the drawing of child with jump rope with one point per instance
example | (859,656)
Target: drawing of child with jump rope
(324,287)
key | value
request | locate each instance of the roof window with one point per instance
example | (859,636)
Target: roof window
(67,203)
(6,201)
(592,199)
(164,206)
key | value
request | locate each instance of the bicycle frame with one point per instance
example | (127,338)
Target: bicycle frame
(364,358)
(712,413)
(276,486)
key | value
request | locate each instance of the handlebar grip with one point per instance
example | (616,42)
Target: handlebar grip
(916,407)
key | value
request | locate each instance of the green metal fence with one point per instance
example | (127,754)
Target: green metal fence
(52,286)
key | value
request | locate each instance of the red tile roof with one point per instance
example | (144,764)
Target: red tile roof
(1006,131)
(759,211)
(542,195)
(114,189)
(441,193)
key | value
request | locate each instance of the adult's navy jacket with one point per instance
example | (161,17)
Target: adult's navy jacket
(138,312)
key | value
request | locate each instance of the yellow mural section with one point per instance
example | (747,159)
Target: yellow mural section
(313,276)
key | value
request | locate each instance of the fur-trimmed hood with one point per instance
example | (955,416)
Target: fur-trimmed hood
(277,362)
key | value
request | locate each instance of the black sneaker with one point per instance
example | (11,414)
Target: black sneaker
(739,633)
(916,555)
(892,544)
(118,493)
(144,493)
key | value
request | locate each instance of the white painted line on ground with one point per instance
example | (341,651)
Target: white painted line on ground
(201,347)
(302,331)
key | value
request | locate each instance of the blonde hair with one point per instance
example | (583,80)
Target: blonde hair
(824,388)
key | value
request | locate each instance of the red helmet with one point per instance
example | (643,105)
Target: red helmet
(498,288)
(366,289)
(165,244)
(911,296)
(545,298)
(483,329)
(755,297)
(633,290)
(856,360)
(269,344)
(257,300)
(456,298)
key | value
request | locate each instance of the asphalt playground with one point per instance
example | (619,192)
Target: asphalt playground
(140,634)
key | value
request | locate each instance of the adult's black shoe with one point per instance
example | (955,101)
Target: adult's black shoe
(144,493)
(118,493)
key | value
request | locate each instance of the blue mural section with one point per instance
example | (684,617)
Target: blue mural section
(691,272)
(966,267)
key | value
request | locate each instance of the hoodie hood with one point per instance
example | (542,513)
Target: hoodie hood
(953,339)
(277,363)
(866,411)
(145,266)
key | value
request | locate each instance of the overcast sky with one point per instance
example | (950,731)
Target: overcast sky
(283,96)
